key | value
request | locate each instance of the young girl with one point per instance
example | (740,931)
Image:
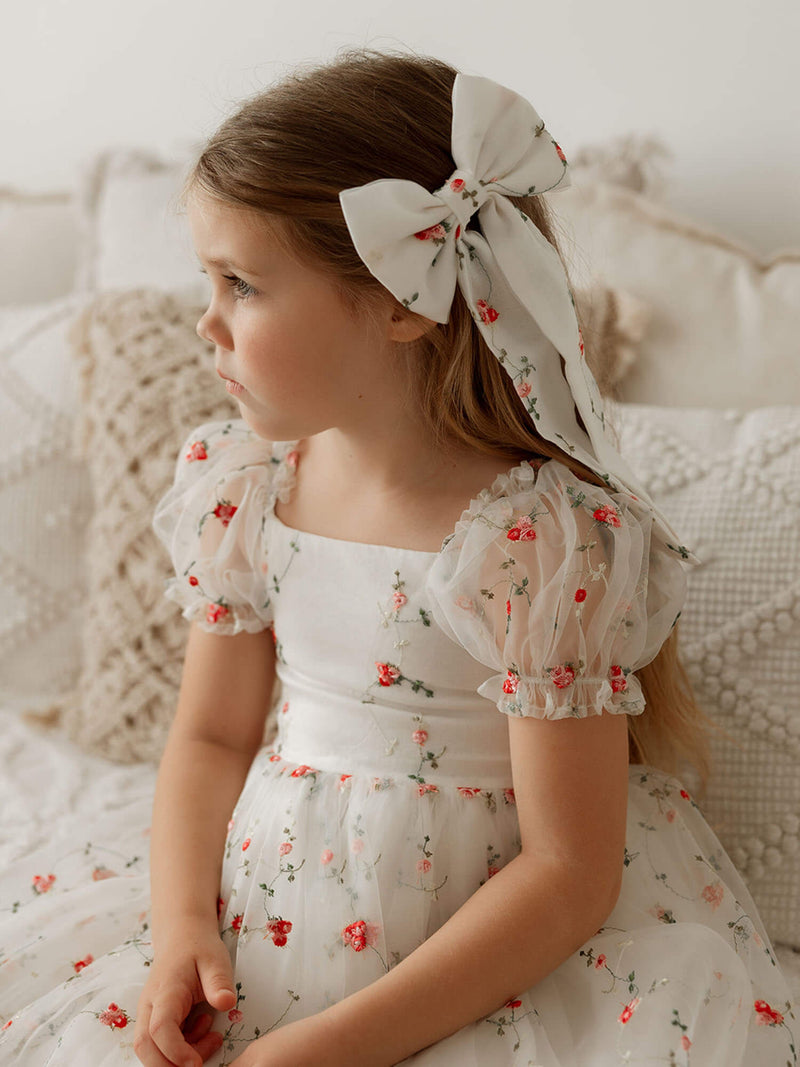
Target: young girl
(466,845)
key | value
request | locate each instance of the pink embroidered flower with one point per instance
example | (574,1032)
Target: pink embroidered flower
(215,612)
(457,184)
(671,815)
(236,922)
(628,1010)
(285,848)
(326,857)
(619,683)
(285,707)
(509,796)
(42,884)
(344,781)
(513,1004)
(6,1025)
(80,964)
(419,737)
(357,845)
(465,603)
(360,934)
(388,674)
(522,530)
(303,769)
(600,961)
(399,599)
(684,794)
(561,675)
(193,580)
(767,1016)
(486,311)
(685,1042)
(292,458)
(580,595)
(469,791)
(274,758)
(235,1016)
(245,844)
(508,607)
(196,450)
(113,1016)
(493,871)
(713,895)
(511,683)
(99,874)
(607,514)
(426,787)
(437,231)
(278,930)
(225,512)
(524,389)
(423,866)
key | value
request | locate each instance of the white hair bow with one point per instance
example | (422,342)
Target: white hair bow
(419,245)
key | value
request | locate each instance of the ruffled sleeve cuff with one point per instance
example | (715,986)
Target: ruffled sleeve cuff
(545,699)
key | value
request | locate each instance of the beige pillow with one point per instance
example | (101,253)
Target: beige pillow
(146,380)
(724,323)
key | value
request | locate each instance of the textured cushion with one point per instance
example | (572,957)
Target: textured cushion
(724,324)
(45,501)
(146,380)
(730,481)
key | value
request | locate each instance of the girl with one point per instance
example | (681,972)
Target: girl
(418,521)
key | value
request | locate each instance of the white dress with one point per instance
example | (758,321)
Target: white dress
(386,799)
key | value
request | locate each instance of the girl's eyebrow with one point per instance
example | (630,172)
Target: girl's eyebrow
(228,264)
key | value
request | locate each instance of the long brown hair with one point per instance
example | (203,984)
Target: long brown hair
(285,154)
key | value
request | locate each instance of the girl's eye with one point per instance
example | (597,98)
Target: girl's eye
(238,285)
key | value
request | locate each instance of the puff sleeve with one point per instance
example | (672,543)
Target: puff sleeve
(211,520)
(561,587)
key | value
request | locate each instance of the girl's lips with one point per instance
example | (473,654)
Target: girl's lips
(233,387)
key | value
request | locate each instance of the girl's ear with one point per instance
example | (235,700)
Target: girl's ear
(409,326)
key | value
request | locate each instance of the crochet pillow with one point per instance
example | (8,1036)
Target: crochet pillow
(146,380)
(730,481)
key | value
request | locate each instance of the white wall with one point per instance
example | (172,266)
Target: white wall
(717,80)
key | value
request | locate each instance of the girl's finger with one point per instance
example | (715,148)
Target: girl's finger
(209,1044)
(198,1027)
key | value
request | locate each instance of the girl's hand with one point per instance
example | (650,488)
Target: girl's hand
(299,1044)
(191,968)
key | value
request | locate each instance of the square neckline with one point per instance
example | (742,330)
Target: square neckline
(289,479)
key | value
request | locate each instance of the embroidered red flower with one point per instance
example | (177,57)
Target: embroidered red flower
(344,780)
(41,884)
(196,450)
(6,1025)
(607,514)
(524,389)
(561,675)
(600,961)
(80,964)
(359,934)
(388,674)
(628,1010)
(684,794)
(580,595)
(285,707)
(767,1016)
(99,874)
(419,737)
(236,922)
(469,791)
(426,787)
(193,580)
(458,232)
(561,155)
(492,871)
(508,607)
(278,930)
(423,866)
(274,758)
(580,341)
(326,857)
(619,683)
(457,184)
(225,511)
(685,1042)
(513,1004)
(671,815)
(509,796)
(113,1016)
(511,683)
(235,1016)
(713,894)
(285,847)
(437,231)
(215,612)
(486,311)
(399,599)
(522,530)
(245,844)
(303,769)
(220,905)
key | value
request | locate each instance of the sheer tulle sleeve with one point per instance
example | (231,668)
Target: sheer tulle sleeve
(211,522)
(558,586)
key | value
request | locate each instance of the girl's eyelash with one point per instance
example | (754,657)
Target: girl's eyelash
(237,284)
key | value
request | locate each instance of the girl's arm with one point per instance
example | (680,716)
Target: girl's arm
(571,787)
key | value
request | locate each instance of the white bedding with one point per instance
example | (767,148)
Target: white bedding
(51,789)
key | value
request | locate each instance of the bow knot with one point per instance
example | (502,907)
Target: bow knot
(463,194)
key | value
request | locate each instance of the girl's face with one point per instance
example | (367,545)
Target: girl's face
(280,329)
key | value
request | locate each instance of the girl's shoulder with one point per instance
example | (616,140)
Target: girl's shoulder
(224,447)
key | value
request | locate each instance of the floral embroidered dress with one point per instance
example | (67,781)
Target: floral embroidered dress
(386,799)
